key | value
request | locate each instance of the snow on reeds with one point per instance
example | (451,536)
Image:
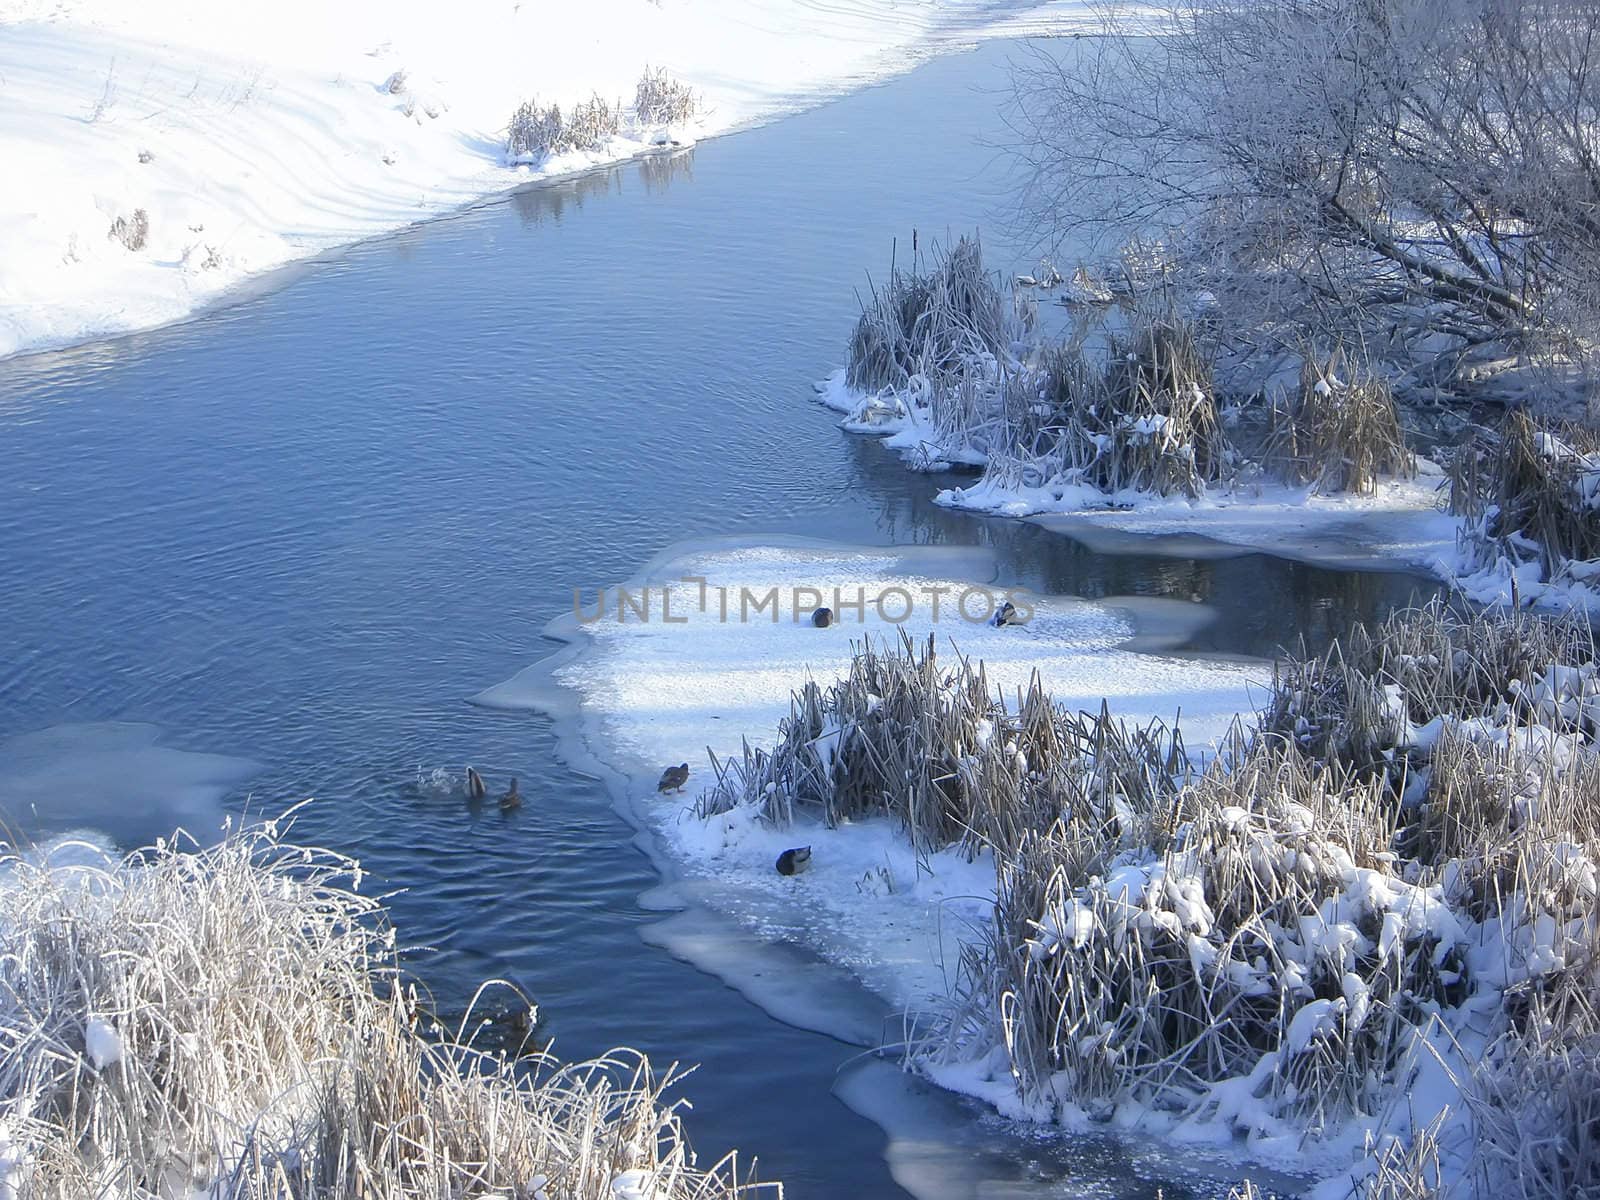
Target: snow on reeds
(929,743)
(1142,418)
(931,359)
(954,373)
(1337,433)
(233,1021)
(536,130)
(1390,880)
(659,99)
(1530,499)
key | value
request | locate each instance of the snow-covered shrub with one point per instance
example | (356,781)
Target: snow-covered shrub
(1338,434)
(233,1022)
(659,99)
(1531,496)
(132,231)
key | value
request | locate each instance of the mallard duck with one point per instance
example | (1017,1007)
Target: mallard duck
(1006,614)
(792,862)
(822,618)
(475,787)
(512,798)
(673,778)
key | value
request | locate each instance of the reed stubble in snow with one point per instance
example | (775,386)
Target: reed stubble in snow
(233,1020)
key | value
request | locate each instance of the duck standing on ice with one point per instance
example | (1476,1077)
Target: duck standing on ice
(673,778)
(792,862)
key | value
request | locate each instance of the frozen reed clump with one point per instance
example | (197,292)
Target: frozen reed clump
(233,1021)
(659,99)
(933,746)
(1233,969)
(924,326)
(536,130)
(132,231)
(1384,695)
(955,373)
(1340,432)
(1531,499)
(1144,419)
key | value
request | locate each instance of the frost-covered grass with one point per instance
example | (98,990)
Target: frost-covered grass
(233,1021)
(659,99)
(1368,921)
(1530,502)
(539,131)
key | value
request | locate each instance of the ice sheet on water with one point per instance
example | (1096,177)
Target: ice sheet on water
(113,778)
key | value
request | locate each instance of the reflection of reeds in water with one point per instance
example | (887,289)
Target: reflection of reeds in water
(659,171)
(233,1020)
(550,201)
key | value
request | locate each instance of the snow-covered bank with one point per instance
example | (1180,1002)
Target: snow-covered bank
(653,693)
(252,135)
(1400,523)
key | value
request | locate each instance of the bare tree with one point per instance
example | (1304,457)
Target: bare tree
(1425,173)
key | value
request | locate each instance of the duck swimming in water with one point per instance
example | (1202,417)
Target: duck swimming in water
(512,798)
(475,787)
(673,778)
(792,862)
